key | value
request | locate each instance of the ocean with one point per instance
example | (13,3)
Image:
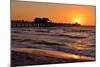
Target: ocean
(54,42)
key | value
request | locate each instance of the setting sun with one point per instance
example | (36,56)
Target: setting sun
(84,15)
(78,20)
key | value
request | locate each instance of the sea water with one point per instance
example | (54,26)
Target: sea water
(79,40)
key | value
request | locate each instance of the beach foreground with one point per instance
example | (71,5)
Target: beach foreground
(50,45)
(27,56)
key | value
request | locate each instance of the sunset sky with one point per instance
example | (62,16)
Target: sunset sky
(61,13)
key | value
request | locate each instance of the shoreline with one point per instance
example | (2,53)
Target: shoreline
(31,56)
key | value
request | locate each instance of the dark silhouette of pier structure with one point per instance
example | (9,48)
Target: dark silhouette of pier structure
(39,22)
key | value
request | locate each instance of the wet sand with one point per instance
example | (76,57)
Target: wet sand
(32,56)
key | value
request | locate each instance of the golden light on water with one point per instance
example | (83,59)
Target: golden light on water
(51,53)
(79,47)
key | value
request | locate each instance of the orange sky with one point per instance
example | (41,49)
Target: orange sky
(65,13)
